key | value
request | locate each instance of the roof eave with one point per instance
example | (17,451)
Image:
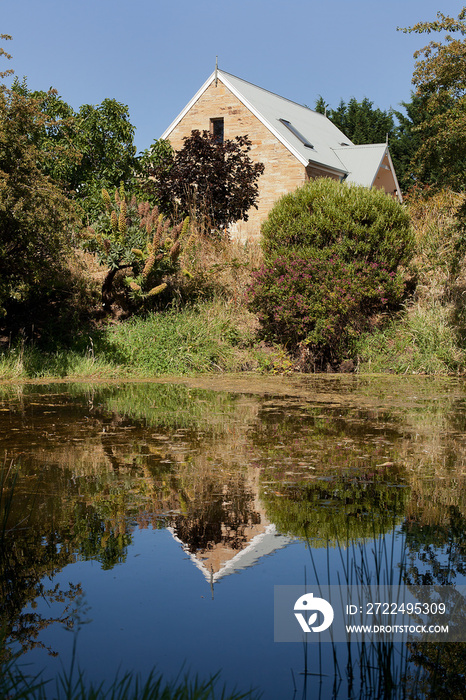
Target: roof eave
(326,168)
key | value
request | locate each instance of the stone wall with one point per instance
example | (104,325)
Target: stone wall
(283,172)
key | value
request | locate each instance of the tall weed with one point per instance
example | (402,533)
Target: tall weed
(437,259)
(216,267)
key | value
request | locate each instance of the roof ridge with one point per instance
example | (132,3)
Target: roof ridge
(360,145)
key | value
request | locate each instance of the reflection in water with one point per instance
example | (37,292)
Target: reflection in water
(342,464)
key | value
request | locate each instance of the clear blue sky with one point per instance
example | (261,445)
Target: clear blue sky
(153,56)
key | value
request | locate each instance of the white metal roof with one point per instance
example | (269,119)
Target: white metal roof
(331,149)
(362,162)
(315,127)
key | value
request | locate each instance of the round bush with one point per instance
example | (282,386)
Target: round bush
(355,223)
(333,267)
(322,302)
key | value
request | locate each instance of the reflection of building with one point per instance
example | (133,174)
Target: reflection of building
(219,560)
(225,528)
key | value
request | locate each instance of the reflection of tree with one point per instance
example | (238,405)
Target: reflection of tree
(220,514)
(28,556)
(444,668)
(39,538)
(99,536)
(337,509)
(21,585)
(437,552)
(436,555)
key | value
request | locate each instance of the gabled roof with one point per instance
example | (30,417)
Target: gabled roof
(310,136)
(362,162)
(269,108)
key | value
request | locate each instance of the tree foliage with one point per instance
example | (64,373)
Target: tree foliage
(35,216)
(104,137)
(86,150)
(55,135)
(216,183)
(9,71)
(407,141)
(440,83)
(359,121)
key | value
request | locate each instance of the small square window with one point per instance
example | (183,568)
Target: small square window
(216,129)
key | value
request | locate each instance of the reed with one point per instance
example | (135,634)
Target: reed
(15,684)
(363,670)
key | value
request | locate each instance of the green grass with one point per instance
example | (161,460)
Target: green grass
(72,685)
(214,336)
(203,338)
(422,341)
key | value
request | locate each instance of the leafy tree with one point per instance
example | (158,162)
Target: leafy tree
(86,150)
(407,141)
(154,166)
(440,82)
(55,136)
(216,183)
(363,123)
(359,121)
(104,137)
(35,216)
(9,71)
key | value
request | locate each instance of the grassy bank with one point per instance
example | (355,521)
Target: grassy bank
(212,336)
(428,336)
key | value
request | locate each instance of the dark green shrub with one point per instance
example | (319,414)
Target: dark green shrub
(356,223)
(321,302)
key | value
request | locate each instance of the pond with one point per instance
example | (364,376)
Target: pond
(147,524)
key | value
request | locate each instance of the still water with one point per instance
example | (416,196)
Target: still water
(150,522)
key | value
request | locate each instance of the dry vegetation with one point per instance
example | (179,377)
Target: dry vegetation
(427,337)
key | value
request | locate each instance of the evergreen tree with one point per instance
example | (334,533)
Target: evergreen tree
(361,122)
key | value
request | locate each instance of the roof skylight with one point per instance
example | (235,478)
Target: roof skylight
(297,133)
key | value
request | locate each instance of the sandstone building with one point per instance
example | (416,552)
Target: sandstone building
(294,142)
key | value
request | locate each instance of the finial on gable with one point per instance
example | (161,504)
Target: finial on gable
(216,70)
